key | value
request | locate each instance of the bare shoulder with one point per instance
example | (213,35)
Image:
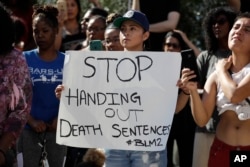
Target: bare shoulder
(213,78)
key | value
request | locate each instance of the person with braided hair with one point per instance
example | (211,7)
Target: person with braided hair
(38,140)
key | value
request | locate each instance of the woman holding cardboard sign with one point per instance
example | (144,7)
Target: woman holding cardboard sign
(134,31)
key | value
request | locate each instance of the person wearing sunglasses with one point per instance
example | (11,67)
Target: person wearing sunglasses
(216,24)
(95,31)
(177,40)
(88,14)
(179,151)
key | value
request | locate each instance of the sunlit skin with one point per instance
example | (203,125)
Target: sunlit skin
(112,39)
(172,40)
(239,39)
(132,36)
(230,129)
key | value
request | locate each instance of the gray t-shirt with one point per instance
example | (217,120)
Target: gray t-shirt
(206,65)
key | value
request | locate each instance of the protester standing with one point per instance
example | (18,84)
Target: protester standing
(15,90)
(38,141)
(134,31)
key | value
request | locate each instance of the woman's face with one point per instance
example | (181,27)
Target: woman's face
(239,36)
(95,29)
(44,34)
(85,21)
(172,45)
(72,9)
(132,36)
(112,40)
(221,27)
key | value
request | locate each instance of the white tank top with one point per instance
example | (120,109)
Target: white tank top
(224,104)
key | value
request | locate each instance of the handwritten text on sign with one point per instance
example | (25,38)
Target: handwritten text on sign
(118,100)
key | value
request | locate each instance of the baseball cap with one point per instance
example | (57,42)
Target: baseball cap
(133,15)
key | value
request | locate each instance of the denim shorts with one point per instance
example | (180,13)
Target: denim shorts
(120,158)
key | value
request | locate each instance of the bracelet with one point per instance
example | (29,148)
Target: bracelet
(186,93)
(3,153)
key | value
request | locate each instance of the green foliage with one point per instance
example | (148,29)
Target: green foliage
(118,6)
(192,14)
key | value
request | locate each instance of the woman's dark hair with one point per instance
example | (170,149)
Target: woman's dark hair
(20,29)
(99,17)
(78,17)
(98,11)
(7,32)
(47,12)
(22,5)
(210,39)
(243,15)
(176,35)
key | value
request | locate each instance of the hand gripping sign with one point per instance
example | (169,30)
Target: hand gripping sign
(118,100)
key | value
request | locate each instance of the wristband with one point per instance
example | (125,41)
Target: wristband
(186,93)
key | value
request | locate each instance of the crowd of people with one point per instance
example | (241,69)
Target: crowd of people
(211,116)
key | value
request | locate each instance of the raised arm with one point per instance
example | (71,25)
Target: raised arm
(201,109)
(96,3)
(135,5)
(169,24)
(234,4)
(189,43)
(233,91)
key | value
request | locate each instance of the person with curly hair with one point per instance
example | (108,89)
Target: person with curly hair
(37,143)
(111,40)
(239,5)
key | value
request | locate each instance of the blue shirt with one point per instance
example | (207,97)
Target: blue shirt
(45,76)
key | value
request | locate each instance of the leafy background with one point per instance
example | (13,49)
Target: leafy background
(192,14)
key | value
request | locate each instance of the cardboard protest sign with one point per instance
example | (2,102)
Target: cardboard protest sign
(118,100)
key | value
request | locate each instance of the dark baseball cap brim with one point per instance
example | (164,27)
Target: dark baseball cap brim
(118,22)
